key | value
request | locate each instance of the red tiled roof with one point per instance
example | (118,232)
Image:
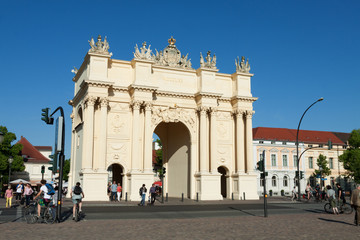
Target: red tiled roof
(45,148)
(306,136)
(33,154)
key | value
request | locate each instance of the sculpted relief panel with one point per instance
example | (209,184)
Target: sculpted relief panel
(118,124)
(167,114)
(117,153)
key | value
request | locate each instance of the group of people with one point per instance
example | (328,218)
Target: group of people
(23,192)
(152,194)
(114,191)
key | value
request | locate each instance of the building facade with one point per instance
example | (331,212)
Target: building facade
(202,117)
(279,145)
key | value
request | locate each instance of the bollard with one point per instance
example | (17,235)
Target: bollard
(197,196)
(182,197)
(244,195)
(232,196)
(126,197)
(166,199)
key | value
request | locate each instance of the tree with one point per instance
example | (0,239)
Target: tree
(351,157)
(7,150)
(322,163)
(66,170)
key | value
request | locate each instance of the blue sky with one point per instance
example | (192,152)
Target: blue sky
(299,51)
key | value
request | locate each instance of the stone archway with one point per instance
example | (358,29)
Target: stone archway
(175,138)
(223,180)
(116,173)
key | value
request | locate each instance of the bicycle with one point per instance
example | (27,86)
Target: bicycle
(47,213)
(77,211)
(343,208)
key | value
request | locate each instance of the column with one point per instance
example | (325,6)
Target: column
(249,144)
(147,139)
(135,161)
(213,139)
(240,141)
(89,133)
(103,133)
(204,163)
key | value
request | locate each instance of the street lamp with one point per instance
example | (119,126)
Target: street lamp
(297,144)
(11,159)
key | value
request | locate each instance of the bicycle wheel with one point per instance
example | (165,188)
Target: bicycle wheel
(328,208)
(77,215)
(347,209)
(30,214)
(49,215)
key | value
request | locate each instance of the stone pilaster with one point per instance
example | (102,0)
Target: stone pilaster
(103,134)
(249,144)
(213,139)
(240,141)
(203,143)
(88,149)
(147,138)
(135,157)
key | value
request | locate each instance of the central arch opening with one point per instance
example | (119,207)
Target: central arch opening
(175,140)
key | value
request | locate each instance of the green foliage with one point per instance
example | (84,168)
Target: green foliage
(7,150)
(351,157)
(66,170)
(159,153)
(323,163)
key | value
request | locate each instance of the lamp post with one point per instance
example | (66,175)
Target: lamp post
(297,145)
(11,159)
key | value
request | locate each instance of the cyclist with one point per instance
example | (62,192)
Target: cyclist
(46,199)
(76,195)
(317,192)
(331,197)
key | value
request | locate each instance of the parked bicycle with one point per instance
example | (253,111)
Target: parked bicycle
(47,213)
(342,207)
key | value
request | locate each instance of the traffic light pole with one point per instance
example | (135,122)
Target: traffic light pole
(265,195)
(61,166)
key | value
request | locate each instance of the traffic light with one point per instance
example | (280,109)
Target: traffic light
(164,170)
(260,165)
(301,174)
(53,162)
(46,118)
(329,144)
(42,169)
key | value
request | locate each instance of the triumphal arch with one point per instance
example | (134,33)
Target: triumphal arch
(202,117)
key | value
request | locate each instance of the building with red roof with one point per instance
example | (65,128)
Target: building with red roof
(279,145)
(34,159)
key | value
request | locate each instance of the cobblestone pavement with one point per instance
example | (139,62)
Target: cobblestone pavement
(295,226)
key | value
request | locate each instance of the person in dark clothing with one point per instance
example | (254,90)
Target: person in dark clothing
(152,193)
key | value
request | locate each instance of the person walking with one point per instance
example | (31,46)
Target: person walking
(294,194)
(118,192)
(142,192)
(355,203)
(19,191)
(113,191)
(109,190)
(28,193)
(9,196)
(332,199)
(152,193)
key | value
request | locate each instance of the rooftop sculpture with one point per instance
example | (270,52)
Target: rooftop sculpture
(101,47)
(242,66)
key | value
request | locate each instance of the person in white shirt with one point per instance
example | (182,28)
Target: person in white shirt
(46,198)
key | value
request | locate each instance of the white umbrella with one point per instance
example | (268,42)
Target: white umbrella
(18,181)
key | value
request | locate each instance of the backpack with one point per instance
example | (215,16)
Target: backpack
(77,190)
(50,188)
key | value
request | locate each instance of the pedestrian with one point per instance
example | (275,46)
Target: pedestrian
(355,203)
(308,190)
(19,191)
(113,191)
(294,194)
(9,196)
(340,194)
(152,193)
(28,192)
(118,192)
(142,192)
(109,190)
(332,199)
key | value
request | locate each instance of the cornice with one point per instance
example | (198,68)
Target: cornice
(94,83)
(244,99)
(175,94)
(208,95)
(142,88)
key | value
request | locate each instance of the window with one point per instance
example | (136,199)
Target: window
(321,145)
(261,141)
(285,161)
(344,147)
(273,181)
(284,143)
(295,160)
(272,142)
(331,163)
(285,181)
(311,165)
(310,145)
(273,160)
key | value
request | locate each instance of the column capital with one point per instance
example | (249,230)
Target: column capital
(135,104)
(202,110)
(90,100)
(239,112)
(249,113)
(213,111)
(104,102)
(148,106)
